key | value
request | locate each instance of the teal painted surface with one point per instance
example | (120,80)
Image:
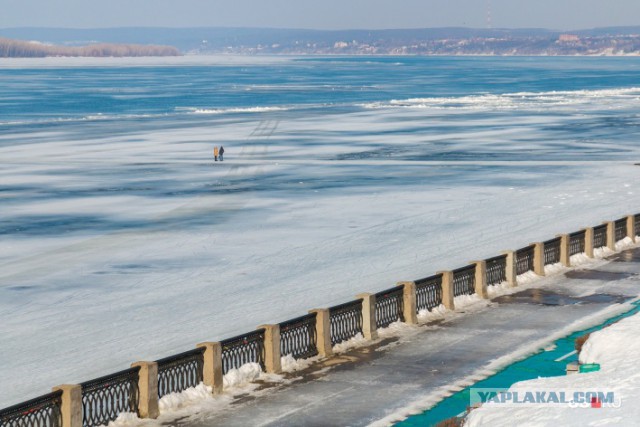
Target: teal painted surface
(541,364)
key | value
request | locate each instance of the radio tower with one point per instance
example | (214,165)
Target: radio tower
(488,6)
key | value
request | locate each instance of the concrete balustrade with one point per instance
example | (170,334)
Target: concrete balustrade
(271,348)
(611,234)
(565,248)
(212,374)
(447,289)
(369,328)
(147,389)
(631,227)
(481,279)
(538,258)
(588,242)
(323,332)
(410,311)
(71,407)
(511,271)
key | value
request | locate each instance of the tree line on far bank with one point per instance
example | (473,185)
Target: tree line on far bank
(10,48)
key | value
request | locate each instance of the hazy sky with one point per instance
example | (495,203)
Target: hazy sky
(321,14)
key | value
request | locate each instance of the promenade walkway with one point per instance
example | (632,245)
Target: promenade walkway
(368,384)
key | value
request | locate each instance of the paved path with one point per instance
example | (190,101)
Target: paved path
(368,384)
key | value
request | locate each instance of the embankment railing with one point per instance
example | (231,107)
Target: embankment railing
(138,389)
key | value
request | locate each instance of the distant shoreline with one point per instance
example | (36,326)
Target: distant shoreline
(10,48)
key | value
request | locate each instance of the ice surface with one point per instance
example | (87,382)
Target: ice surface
(121,239)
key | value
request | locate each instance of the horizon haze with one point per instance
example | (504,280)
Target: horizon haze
(565,15)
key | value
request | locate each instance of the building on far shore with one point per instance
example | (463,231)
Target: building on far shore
(568,38)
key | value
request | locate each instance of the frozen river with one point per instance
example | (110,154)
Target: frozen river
(121,239)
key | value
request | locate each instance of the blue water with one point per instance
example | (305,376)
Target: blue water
(36,94)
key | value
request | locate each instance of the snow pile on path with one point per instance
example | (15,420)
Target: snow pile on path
(614,348)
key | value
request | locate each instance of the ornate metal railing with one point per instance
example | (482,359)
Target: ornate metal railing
(636,222)
(621,229)
(298,337)
(103,399)
(389,306)
(429,292)
(577,242)
(496,270)
(600,236)
(43,411)
(552,251)
(180,372)
(346,321)
(243,349)
(524,260)
(464,281)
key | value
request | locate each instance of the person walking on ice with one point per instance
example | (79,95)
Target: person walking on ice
(215,154)
(221,152)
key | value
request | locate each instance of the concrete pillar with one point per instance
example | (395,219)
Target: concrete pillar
(538,258)
(369,328)
(511,268)
(212,369)
(447,289)
(409,302)
(565,258)
(631,227)
(271,348)
(147,389)
(611,234)
(588,242)
(71,408)
(323,332)
(481,279)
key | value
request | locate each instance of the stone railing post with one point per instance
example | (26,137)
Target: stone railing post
(71,408)
(538,258)
(481,279)
(409,302)
(447,289)
(271,348)
(212,369)
(565,258)
(588,242)
(323,331)
(611,234)
(147,389)
(511,268)
(631,227)
(369,328)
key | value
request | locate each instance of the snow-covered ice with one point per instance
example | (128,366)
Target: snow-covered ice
(123,241)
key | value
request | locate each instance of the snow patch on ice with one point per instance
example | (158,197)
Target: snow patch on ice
(176,401)
(464,301)
(602,252)
(527,277)
(556,268)
(125,419)
(436,313)
(499,289)
(247,373)
(350,344)
(291,364)
(623,244)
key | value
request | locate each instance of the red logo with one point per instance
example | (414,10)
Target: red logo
(596,403)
